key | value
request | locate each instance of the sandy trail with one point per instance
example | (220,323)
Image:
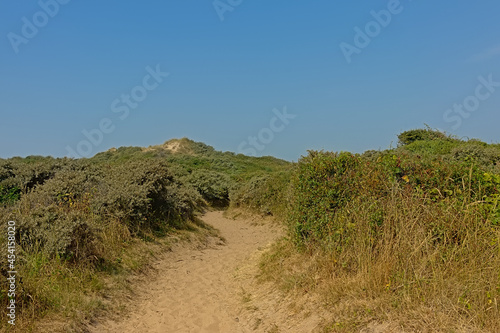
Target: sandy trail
(211,290)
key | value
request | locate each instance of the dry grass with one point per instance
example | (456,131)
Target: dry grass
(430,267)
(62,297)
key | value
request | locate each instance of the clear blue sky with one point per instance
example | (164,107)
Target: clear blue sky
(76,64)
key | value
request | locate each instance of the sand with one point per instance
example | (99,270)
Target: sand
(213,289)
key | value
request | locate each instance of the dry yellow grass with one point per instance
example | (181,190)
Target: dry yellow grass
(406,278)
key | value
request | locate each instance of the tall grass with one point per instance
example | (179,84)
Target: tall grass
(394,238)
(83,227)
(408,236)
(76,221)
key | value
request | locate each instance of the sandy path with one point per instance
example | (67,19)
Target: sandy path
(206,290)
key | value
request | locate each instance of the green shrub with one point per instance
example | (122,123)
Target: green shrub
(430,149)
(397,228)
(250,194)
(477,152)
(264,194)
(26,174)
(324,183)
(59,232)
(428,134)
(212,185)
(145,193)
(64,214)
(9,195)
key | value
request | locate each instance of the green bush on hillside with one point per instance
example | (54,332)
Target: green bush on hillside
(399,227)
(58,232)
(63,215)
(264,194)
(477,152)
(428,134)
(28,173)
(212,185)
(145,193)
(9,195)
(324,183)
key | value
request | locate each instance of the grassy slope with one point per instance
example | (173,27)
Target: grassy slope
(408,236)
(85,226)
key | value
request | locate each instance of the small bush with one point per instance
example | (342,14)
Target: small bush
(322,183)
(213,186)
(57,232)
(477,152)
(265,194)
(9,195)
(145,193)
(428,134)
(28,173)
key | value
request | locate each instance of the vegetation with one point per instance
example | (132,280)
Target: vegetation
(408,236)
(427,134)
(83,226)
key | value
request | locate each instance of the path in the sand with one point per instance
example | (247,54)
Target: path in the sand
(213,289)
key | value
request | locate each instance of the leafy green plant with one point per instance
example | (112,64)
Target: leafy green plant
(398,227)
(427,134)
(492,198)
(212,185)
(265,194)
(323,183)
(9,195)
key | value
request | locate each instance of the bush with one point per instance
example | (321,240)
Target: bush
(28,173)
(145,193)
(398,231)
(325,183)
(477,152)
(9,195)
(57,232)
(428,134)
(63,215)
(430,149)
(265,194)
(322,184)
(213,186)
(250,194)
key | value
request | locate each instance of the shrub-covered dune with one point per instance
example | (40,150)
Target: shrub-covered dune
(408,238)
(80,222)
